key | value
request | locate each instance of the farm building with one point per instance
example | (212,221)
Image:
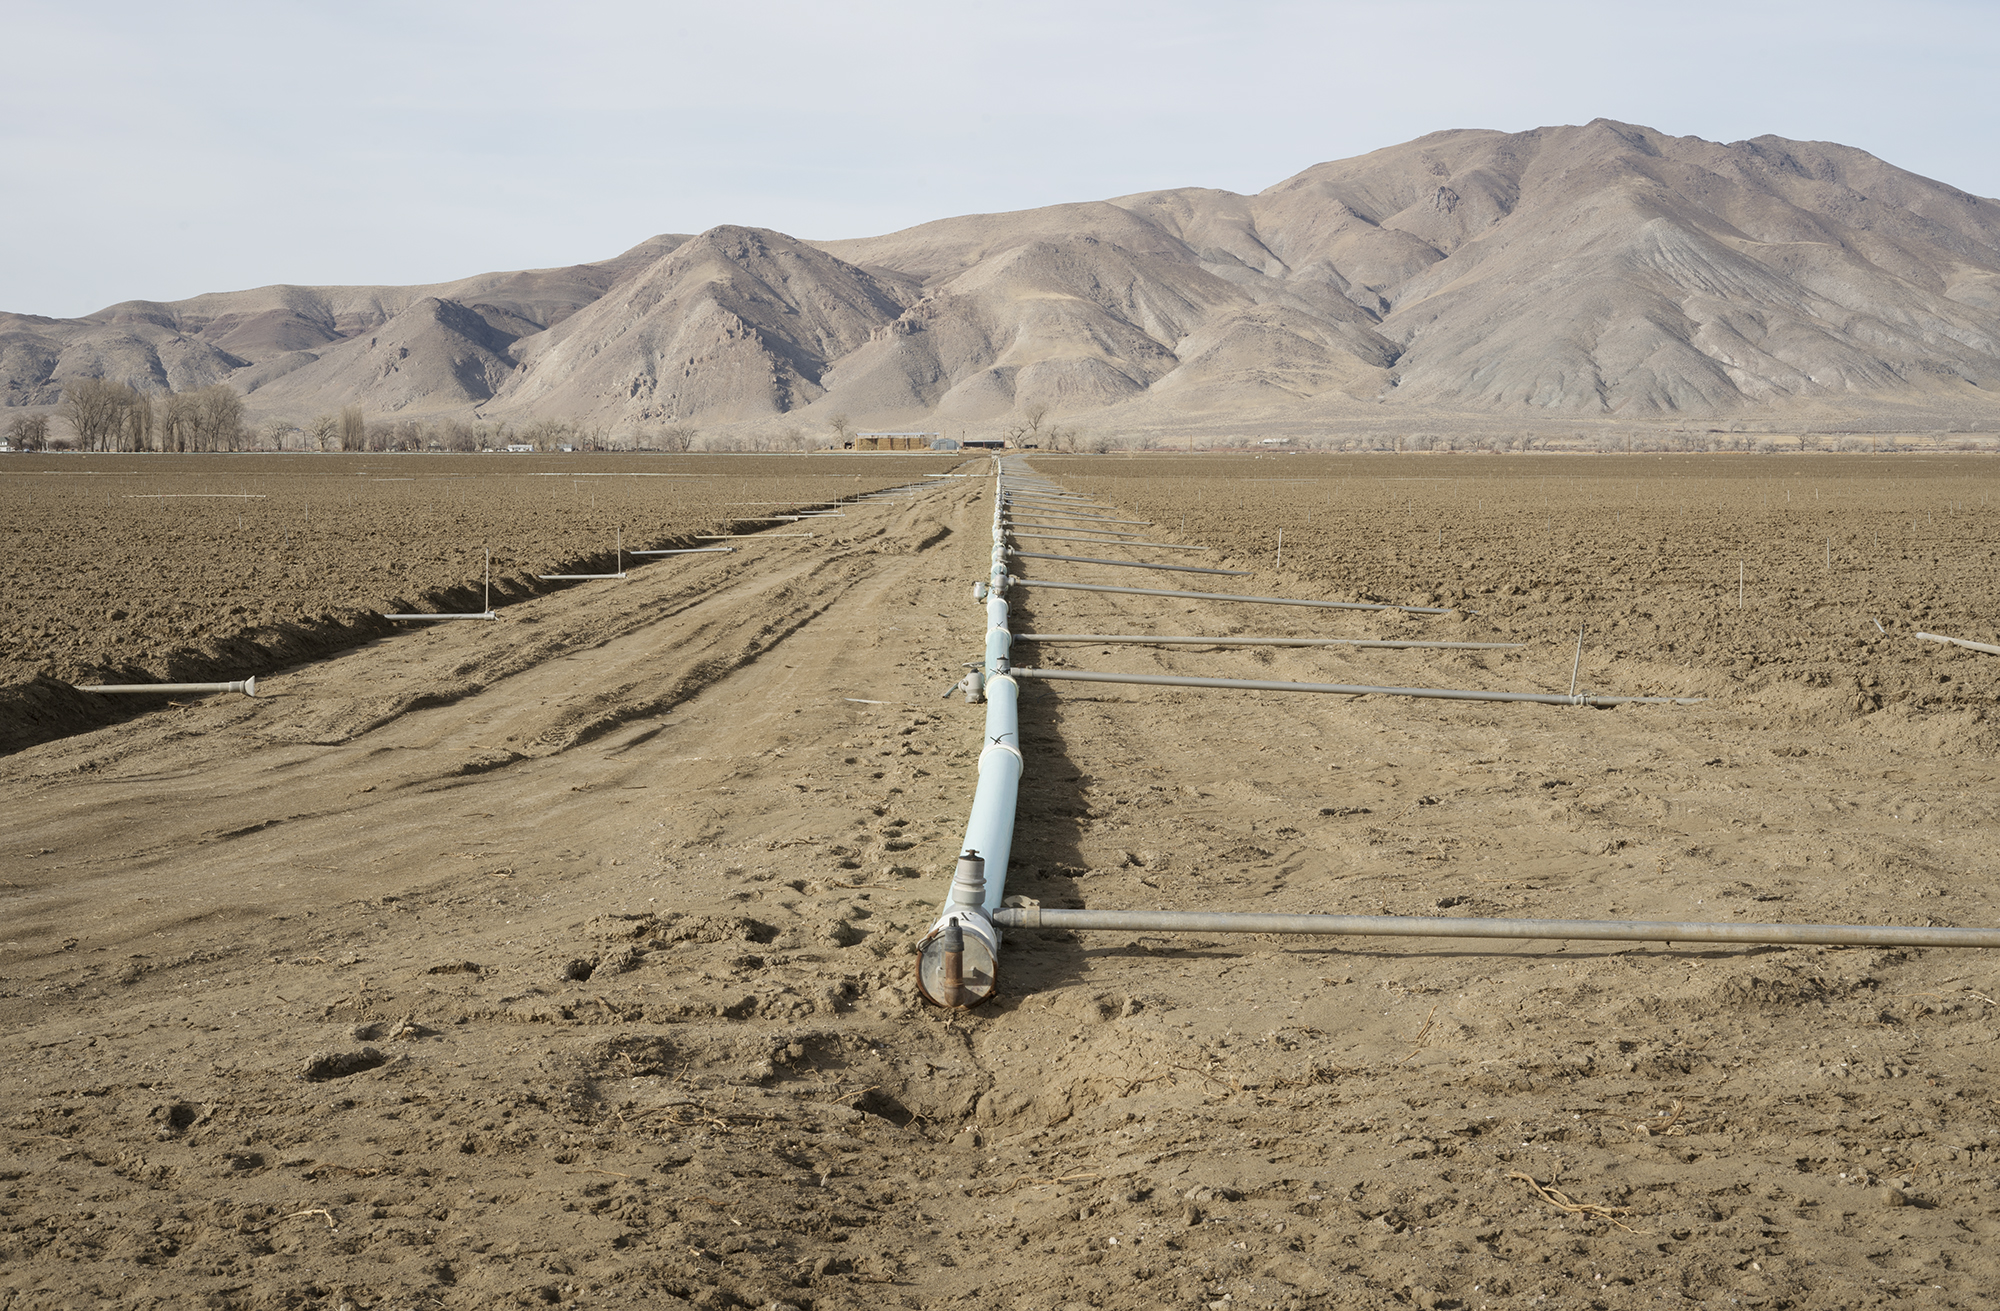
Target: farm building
(892,441)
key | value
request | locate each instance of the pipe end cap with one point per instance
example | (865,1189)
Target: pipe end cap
(978,967)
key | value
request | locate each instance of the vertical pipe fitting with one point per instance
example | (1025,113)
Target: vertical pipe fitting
(953,981)
(968,881)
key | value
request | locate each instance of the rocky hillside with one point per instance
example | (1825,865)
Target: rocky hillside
(1577,272)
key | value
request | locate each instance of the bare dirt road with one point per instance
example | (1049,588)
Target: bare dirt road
(565,961)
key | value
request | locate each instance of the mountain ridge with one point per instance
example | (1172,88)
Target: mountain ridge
(1602,272)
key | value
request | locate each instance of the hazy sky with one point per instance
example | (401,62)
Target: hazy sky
(156,150)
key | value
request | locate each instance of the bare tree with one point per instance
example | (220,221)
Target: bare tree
(219,417)
(1027,430)
(678,437)
(135,425)
(353,429)
(549,434)
(180,422)
(95,410)
(458,435)
(843,429)
(28,432)
(276,431)
(324,431)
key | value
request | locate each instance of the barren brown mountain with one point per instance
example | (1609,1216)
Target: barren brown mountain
(1597,272)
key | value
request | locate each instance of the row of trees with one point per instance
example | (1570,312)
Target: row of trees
(116,416)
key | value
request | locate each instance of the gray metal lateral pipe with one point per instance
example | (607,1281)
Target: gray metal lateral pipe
(1987,647)
(1149,639)
(1226,596)
(1087,518)
(1015,526)
(247,686)
(1397,926)
(1127,564)
(1099,541)
(1345,689)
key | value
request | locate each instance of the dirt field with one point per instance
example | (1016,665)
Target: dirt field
(565,960)
(150,568)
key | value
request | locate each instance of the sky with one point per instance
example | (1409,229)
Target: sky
(162,149)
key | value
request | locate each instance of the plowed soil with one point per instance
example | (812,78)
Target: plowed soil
(161,568)
(565,960)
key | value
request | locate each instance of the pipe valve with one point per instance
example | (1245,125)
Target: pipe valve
(952,944)
(957,961)
(968,881)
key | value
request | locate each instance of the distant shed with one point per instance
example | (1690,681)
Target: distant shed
(893,441)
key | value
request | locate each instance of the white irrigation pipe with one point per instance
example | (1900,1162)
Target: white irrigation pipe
(486,613)
(745,537)
(1347,689)
(1149,639)
(1438,926)
(958,960)
(247,686)
(1987,647)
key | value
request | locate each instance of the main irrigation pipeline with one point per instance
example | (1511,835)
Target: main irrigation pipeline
(959,959)
(958,962)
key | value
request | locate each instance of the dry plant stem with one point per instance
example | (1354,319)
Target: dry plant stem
(319,1211)
(1562,1201)
(1661,1130)
(1422,1034)
(1204,1074)
(1060,1179)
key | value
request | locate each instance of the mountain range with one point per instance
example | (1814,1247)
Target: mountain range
(1606,272)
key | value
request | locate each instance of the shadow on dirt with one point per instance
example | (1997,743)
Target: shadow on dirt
(1048,826)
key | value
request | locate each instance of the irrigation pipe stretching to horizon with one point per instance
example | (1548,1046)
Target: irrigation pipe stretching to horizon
(958,960)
